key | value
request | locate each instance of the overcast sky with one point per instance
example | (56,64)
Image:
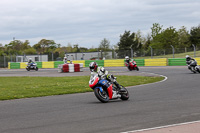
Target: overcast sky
(87,22)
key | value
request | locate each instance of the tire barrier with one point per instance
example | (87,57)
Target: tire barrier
(176,62)
(140,62)
(49,64)
(155,62)
(70,67)
(198,60)
(113,63)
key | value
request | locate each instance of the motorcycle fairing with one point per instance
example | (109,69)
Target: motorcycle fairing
(110,92)
(108,86)
(94,82)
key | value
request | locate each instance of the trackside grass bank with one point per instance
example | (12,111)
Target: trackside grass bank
(27,87)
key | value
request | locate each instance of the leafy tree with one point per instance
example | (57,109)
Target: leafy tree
(183,38)
(195,35)
(45,46)
(156,29)
(127,42)
(104,47)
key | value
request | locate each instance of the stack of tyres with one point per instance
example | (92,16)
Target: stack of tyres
(71,67)
(76,67)
(60,68)
(65,68)
(81,67)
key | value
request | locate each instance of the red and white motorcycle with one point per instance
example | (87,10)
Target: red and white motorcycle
(132,65)
(106,90)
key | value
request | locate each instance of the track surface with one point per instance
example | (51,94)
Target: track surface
(175,100)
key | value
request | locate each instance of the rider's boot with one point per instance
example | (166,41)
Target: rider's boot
(121,89)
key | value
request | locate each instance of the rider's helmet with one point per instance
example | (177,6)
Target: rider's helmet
(126,58)
(93,66)
(65,58)
(187,57)
(29,60)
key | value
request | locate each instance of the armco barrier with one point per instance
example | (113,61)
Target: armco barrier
(56,63)
(48,64)
(176,62)
(113,63)
(107,63)
(14,65)
(99,62)
(156,62)
(198,60)
(140,62)
(39,64)
(23,65)
(8,65)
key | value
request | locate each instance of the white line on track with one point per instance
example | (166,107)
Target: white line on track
(173,125)
(165,78)
(179,124)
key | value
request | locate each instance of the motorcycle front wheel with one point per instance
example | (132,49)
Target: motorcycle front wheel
(137,68)
(27,69)
(125,95)
(101,96)
(36,69)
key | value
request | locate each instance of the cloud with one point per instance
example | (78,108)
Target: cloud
(87,22)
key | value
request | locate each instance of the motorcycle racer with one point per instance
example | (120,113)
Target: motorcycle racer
(30,62)
(189,61)
(103,74)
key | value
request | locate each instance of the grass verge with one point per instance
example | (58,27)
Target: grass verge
(26,87)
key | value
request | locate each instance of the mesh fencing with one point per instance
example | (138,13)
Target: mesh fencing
(102,55)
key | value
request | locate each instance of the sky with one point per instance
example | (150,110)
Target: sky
(88,22)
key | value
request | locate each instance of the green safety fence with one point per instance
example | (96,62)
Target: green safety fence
(56,63)
(176,62)
(99,62)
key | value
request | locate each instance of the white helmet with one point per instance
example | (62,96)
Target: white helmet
(30,59)
(187,56)
(127,58)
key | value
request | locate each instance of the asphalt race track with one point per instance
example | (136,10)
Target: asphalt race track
(173,101)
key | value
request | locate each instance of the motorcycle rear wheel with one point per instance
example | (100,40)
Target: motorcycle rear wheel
(125,95)
(101,96)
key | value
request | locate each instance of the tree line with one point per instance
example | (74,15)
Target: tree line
(159,38)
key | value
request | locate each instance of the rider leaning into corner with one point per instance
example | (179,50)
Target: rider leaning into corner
(189,61)
(102,73)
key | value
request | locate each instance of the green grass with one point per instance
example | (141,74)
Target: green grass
(26,87)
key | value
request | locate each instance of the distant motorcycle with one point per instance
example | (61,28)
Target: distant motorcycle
(32,66)
(192,66)
(132,65)
(106,90)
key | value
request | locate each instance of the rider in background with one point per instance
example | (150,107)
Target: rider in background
(127,60)
(102,73)
(65,61)
(30,62)
(190,61)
